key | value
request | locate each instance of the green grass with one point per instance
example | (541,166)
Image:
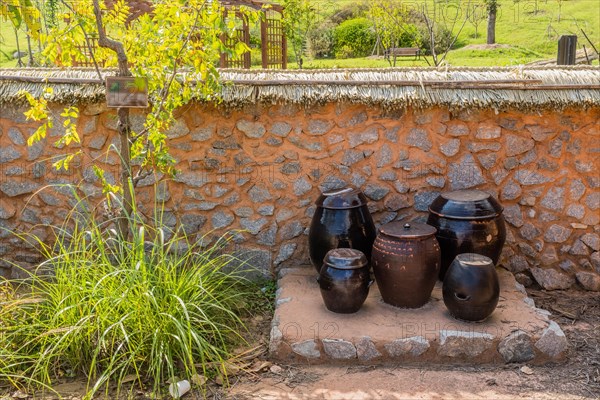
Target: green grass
(144,309)
(531,35)
(8,44)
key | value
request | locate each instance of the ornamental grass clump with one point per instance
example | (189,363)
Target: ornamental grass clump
(143,309)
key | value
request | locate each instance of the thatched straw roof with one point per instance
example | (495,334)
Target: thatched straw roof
(502,87)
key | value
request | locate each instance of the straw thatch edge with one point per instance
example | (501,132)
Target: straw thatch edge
(521,87)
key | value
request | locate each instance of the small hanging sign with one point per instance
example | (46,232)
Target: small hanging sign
(127,92)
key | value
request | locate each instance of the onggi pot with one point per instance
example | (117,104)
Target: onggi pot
(406,263)
(344,280)
(341,219)
(467,221)
(471,289)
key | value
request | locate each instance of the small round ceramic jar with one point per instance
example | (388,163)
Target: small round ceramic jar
(344,280)
(471,289)
(342,219)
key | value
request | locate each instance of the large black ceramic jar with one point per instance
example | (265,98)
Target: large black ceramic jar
(471,287)
(344,280)
(467,221)
(341,220)
(406,263)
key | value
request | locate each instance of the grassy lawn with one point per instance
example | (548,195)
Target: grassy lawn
(8,44)
(460,57)
(530,28)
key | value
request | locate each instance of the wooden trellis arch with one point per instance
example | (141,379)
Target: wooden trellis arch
(272,36)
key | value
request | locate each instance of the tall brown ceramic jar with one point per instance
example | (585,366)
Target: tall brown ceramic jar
(467,221)
(341,220)
(406,263)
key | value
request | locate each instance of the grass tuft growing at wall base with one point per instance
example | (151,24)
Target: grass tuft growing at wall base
(144,309)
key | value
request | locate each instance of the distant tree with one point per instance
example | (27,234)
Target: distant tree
(392,24)
(440,34)
(492,9)
(476,13)
(299,18)
(560,3)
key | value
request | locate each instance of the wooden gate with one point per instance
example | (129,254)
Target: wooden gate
(274,45)
(242,34)
(272,36)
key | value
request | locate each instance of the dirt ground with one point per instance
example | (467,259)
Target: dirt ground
(578,313)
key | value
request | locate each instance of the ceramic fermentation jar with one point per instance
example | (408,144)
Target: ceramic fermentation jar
(471,289)
(341,220)
(406,263)
(467,221)
(344,280)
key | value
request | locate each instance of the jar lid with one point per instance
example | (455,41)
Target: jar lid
(466,204)
(345,258)
(474,259)
(341,199)
(402,230)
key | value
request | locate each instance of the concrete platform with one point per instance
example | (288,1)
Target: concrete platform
(304,331)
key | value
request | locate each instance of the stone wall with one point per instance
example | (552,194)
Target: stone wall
(261,168)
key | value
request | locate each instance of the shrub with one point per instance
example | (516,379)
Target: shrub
(320,41)
(410,37)
(110,308)
(354,34)
(442,35)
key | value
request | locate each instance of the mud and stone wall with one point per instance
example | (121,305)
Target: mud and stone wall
(260,169)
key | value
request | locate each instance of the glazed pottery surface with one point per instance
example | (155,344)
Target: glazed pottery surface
(341,220)
(344,280)
(406,263)
(471,289)
(467,221)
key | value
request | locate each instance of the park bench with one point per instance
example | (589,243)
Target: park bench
(402,51)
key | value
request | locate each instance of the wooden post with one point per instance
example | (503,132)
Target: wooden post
(284,50)
(223,56)
(264,42)
(567,47)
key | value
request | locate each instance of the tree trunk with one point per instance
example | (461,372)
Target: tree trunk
(19,62)
(124,129)
(123,126)
(491,28)
(30,62)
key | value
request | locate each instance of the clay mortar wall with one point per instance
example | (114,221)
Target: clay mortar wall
(261,167)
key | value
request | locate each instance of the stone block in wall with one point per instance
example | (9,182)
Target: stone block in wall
(8,154)
(465,173)
(551,279)
(423,200)
(554,199)
(588,280)
(418,137)
(457,129)
(18,188)
(367,136)
(487,132)
(253,130)
(7,209)
(251,262)
(516,145)
(450,148)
